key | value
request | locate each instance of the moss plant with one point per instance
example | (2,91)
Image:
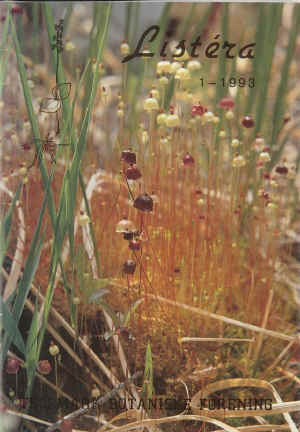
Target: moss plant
(172,251)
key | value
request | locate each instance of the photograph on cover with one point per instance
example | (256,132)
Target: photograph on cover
(150,235)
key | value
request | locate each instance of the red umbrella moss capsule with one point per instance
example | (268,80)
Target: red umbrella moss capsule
(283,170)
(248,122)
(128,156)
(133,173)
(44,367)
(129,267)
(144,202)
(188,159)
(226,103)
(16,9)
(135,245)
(198,109)
(13,365)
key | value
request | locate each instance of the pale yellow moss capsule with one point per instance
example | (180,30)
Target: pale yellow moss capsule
(76,300)
(30,84)
(229,115)
(238,161)
(208,116)
(54,350)
(83,219)
(69,46)
(260,141)
(151,104)
(163,141)
(155,93)
(182,74)
(23,171)
(235,142)
(161,118)
(260,192)
(95,393)
(163,80)
(243,65)
(163,66)
(124,48)
(193,65)
(174,67)
(264,157)
(172,120)
(189,97)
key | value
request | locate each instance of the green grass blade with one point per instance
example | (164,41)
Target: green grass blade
(129,8)
(279,105)
(58,239)
(259,37)
(6,225)
(61,223)
(79,150)
(163,22)
(169,93)
(68,14)
(5,34)
(148,389)
(31,354)
(131,311)
(3,68)
(36,14)
(272,31)
(32,118)
(202,23)
(68,112)
(187,21)
(220,90)
(135,20)
(10,328)
(29,270)
(26,281)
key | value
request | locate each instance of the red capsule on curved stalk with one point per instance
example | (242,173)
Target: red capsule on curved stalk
(144,202)
(128,156)
(133,173)
(226,103)
(248,122)
(13,365)
(188,159)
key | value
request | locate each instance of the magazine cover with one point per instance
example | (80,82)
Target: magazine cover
(150,236)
